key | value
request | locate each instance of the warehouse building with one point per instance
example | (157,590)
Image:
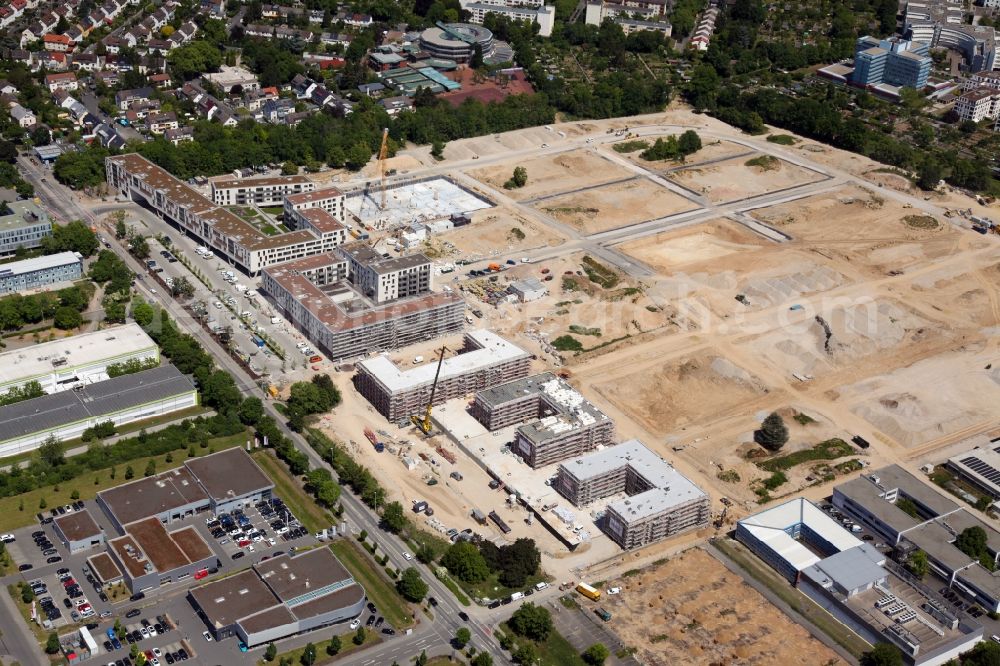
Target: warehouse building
(485,360)
(912,516)
(282,597)
(23,225)
(40,272)
(149,556)
(142,395)
(78,531)
(270,191)
(529,289)
(218,482)
(661,501)
(562,424)
(237,240)
(77,360)
(855,583)
(317,296)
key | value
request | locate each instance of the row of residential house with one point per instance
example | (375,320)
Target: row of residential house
(706,26)
(46,23)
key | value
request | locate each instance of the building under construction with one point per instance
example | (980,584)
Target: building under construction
(485,360)
(661,501)
(561,422)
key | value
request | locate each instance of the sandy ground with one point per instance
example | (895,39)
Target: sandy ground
(553,174)
(692,610)
(704,243)
(613,206)
(491,234)
(734,179)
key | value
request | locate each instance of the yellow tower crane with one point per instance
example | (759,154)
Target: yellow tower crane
(424,422)
(383,155)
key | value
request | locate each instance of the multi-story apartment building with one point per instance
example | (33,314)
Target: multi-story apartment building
(533,11)
(661,501)
(40,272)
(329,199)
(270,191)
(978,104)
(562,423)
(23,226)
(316,296)
(485,360)
(385,279)
(631,15)
(245,245)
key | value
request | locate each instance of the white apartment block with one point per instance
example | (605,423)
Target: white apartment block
(979,104)
(259,191)
(329,199)
(535,11)
(631,15)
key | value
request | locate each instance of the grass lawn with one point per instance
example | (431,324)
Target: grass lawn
(346,646)
(831,449)
(13,517)
(554,651)
(290,490)
(802,604)
(273,210)
(379,588)
(450,583)
(491,589)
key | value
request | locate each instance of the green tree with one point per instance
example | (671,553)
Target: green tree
(525,654)
(531,621)
(464,561)
(290,169)
(595,654)
(972,541)
(425,553)
(929,175)
(67,318)
(129,473)
(308,657)
(138,247)
(421,659)
(51,452)
(393,518)
(119,629)
(411,585)
(270,652)
(251,410)
(773,433)
(884,654)
(482,659)
(518,179)
(689,142)
(359,636)
(52,645)
(985,653)
(437,149)
(194,59)
(142,312)
(333,647)
(917,563)
(27,596)
(462,637)
(150,468)
(74,236)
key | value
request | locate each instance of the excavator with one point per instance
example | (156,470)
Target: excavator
(423,422)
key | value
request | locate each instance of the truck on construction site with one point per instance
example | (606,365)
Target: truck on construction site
(419,507)
(591,593)
(495,517)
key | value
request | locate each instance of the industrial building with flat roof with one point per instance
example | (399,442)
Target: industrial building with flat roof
(661,501)
(281,597)
(267,191)
(855,583)
(874,500)
(316,295)
(562,423)
(237,240)
(65,415)
(150,556)
(78,531)
(81,359)
(217,482)
(23,226)
(980,466)
(40,272)
(485,360)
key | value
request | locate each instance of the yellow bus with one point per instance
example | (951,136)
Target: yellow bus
(590,592)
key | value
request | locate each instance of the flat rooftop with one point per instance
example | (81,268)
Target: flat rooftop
(309,574)
(78,526)
(147,542)
(76,351)
(670,487)
(869,490)
(23,214)
(265,181)
(153,495)
(39,263)
(303,198)
(94,401)
(229,474)
(365,255)
(226,601)
(492,350)
(773,527)
(105,568)
(571,412)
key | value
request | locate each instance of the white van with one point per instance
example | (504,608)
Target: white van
(516,596)
(541,586)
